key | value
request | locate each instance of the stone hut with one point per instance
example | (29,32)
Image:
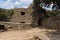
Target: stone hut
(22,17)
(25,17)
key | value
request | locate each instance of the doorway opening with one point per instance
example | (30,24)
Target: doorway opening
(2,28)
(39,22)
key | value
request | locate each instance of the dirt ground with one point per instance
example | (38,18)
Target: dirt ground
(24,34)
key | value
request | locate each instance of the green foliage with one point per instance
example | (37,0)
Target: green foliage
(37,3)
(49,1)
(2,15)
(53,13)
(9,13)
(37,9)
(6,14)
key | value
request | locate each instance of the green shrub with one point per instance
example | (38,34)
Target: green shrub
(53,13)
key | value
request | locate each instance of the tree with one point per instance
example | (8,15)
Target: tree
(37,9)
(6,14)
(2,14)
(9,13)
(49,1)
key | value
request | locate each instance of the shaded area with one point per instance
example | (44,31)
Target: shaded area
(53,35)
(2,28)
(39,21)
(38,13)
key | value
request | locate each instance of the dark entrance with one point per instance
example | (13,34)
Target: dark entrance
(39,22)
(22,13)
(2,28)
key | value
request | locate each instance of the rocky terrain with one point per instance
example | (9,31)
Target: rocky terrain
(28,34)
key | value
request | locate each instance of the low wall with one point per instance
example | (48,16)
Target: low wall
(51,23)
(46,23)
(16,25)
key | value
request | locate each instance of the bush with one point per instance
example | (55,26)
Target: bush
(6,14)
(53,13)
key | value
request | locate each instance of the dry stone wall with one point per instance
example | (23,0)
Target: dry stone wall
(53,23)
